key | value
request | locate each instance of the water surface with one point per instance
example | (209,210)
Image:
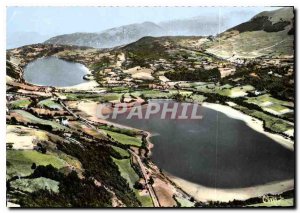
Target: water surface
(51,71)
(216,151)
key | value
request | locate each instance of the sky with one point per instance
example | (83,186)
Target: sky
(64,20)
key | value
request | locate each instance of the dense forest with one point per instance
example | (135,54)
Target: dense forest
(183,74)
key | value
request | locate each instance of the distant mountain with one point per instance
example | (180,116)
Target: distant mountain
(111,37)
(268,33)
(18,39)
(133,32)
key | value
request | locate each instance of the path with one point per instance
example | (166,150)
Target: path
(149,186)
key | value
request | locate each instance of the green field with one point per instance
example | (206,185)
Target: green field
(260,100)
(198,98)
(152,94)
(244,88)
(31,185)
(276,107)
(129,132)
(124,153)
(81,96)
(225,90)
(184,202)
(50,104)
(136,93)
(19,162)
(127,171)
(207,88)
(130,175)
(23,103)
(214,88)
(110,97)
(124,139)
(28,117)
(181,92)
(275,124)
(127,95)
(146,200)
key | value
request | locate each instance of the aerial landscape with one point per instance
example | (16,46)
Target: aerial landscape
(192,107)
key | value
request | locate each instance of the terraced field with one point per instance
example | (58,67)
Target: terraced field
(124,153)
(24,116)
(21,103)
(124,139)
(51,104)
(225,90)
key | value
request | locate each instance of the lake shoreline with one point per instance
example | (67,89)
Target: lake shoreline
(250,121)
(204,194)
(67,74)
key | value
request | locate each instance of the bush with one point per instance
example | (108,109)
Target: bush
(33,166)
(138,185)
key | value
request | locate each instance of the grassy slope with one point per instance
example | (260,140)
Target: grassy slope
(50,104)
(130,175)
(20,162)
(23,103)
(124,139)
(124,153)
(33,119)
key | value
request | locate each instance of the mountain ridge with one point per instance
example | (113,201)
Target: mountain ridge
(117,36)
(269,33)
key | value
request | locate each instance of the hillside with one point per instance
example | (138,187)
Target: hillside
(266,34)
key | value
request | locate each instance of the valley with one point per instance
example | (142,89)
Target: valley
(61,153)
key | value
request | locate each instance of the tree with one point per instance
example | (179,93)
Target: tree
(9,146)
(33,166)
(105,61)
(7,185)
(43,150)
(138,185)
(151,181)
(13,120)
